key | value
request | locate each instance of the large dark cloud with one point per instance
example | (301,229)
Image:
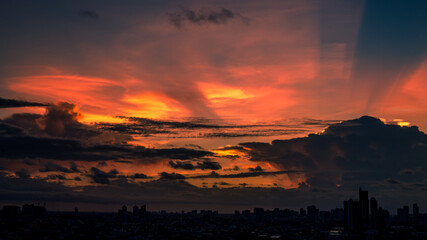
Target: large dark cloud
(13,147)
(13,103)
(186,165)
(60,120)
(52,167)
(171,176)
(99,176)
(204,16)
(58,135)
(22,173)
(360,151)
(210,128)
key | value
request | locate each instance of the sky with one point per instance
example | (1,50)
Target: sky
(224,105)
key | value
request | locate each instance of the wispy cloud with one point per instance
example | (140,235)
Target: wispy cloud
(204,16)
(14,103)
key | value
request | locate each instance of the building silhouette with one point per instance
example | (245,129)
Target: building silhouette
(374,213)
(312,214)
(352,216)
(416,213)
(403,214)
(10,213)
(364,208)
(31,212)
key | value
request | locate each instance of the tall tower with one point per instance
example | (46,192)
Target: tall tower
(364,208)
(374,213)
(352,216)
(416,213)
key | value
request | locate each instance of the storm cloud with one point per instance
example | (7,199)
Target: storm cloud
(363,150)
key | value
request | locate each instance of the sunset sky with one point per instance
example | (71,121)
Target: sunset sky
(212,104)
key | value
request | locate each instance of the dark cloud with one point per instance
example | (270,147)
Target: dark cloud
(359,151)
(7,129)
(61,149)
(214,174)
(205,128)
(182,165)
(13,103)
(30,162)
(99,176)
(52,167)
(58,135)
(171,176)
(102,164)
(139,176)
(200,165)
(195,146)
(56,177)
(392,181)
(318,122)
(209,165)
(22,173)
(89,14)
(204,16)
(60,120)
(73,167)
(256,169)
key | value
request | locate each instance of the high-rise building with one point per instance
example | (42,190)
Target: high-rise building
(383,216)
(364,208)
(312,214)
(403,214)
(302,212)
(31,212)
(337,214)
(10,213)
(123,213)
(374,213)
(416,213)
(135,210)
(352,216)
(258,212)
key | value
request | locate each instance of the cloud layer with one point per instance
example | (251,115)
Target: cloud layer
(361,151)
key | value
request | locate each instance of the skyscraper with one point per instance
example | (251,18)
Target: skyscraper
(352,216)
(416,213)
(403,214)
(312,214)
(135,210)
(374,213)
(364,208)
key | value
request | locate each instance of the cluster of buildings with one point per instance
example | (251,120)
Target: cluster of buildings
(358,219)
(12,213)
(365,215)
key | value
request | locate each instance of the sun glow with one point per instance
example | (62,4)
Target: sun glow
(152,105)
(219,93)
